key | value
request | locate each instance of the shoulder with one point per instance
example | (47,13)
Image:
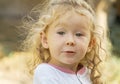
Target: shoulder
(42,66)
(44,74)
(44,69)
(83,71)
(84,75)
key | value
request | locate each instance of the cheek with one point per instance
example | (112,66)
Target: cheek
(83,45)
(83,49)
(54,44)
(83,41)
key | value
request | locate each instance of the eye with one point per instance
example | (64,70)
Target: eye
(78,34)
(61,33)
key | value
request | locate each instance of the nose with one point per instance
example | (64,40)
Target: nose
(70,40)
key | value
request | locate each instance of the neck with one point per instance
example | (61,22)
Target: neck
(73,67)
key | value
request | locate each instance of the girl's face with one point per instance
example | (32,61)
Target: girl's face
(68,39)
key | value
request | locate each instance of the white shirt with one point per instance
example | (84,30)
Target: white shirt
(51,74)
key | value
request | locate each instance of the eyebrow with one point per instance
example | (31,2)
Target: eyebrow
(60,24)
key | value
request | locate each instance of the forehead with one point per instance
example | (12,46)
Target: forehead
(72,18)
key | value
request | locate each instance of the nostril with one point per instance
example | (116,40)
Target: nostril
(70,43)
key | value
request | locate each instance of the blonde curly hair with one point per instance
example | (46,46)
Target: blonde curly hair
(45,15)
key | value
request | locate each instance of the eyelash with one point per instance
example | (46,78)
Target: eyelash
(61,33)
(78,34)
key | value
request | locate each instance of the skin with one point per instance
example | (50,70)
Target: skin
(68,40)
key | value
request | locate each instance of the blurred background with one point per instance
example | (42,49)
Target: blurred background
(12,60)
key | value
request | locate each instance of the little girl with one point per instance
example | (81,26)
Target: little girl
(66,43)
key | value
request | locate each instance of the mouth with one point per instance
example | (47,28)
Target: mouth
(69,51)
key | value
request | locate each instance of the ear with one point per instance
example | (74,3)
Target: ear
(44,40)
(91,44)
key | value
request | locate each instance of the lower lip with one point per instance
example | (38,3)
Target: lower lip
(69,53)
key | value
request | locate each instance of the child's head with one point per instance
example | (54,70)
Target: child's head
(67,27)
(68,38)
